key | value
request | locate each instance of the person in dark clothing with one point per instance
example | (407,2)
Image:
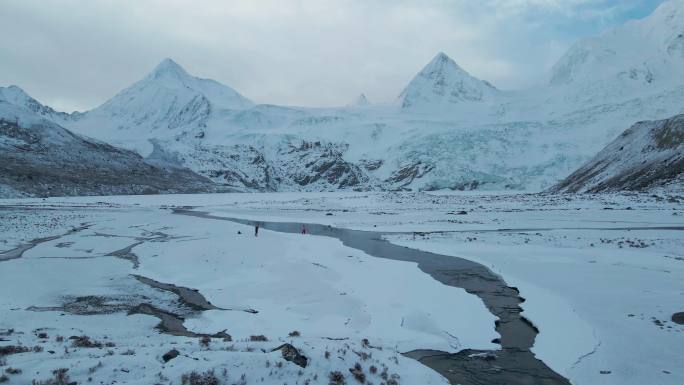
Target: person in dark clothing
(303,229)
(256,229)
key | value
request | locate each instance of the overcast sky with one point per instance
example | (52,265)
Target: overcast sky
(75,54)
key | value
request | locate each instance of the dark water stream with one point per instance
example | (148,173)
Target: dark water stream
(19,251)
(513,364)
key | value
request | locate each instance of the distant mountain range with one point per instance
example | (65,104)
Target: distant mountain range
(446,130)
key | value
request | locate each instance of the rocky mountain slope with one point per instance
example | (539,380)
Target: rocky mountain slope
(290,165)
(645,156)
(40,158)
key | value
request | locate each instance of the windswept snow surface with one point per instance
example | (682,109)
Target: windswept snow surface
(600,286)
(601,298)
(334,296)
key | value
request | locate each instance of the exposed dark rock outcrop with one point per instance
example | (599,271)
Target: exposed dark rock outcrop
(171,354)
(371,164)
(324,163)
(678,318)
(292,165)
(408,173)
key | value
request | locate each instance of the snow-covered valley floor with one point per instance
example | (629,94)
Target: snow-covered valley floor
(602,276)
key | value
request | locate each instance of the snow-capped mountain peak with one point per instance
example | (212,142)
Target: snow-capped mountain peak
(167,102)
(169,70)
(170,75)
(442,82)
(440,61)
(641,52)
(170,82)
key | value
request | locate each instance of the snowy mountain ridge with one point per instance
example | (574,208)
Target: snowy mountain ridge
(642,52)
(19,97)
(449,130)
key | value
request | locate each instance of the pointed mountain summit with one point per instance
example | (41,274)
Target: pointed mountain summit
(443,82)
(170,70)
(360,101)
(167,98)
(169,65)
(168,77)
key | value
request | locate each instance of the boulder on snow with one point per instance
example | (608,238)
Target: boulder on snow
(290,353)
(171,354)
